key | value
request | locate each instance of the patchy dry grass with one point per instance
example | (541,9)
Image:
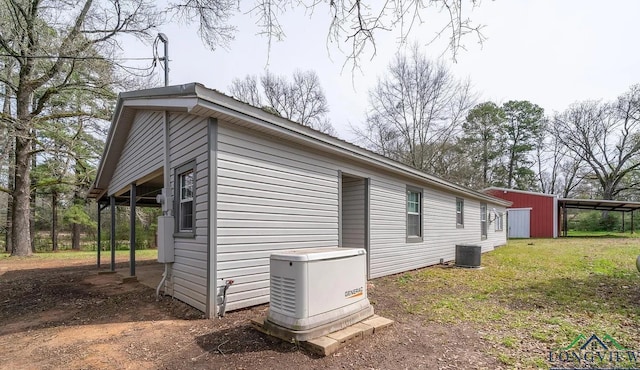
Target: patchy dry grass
(534,296)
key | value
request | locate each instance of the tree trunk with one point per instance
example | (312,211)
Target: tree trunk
(11,186)
(32,203)
(22,196)
(54,221)
(9,235)
(77,200)
(22,191)
(76,228)
(485,162)
(511,167)
(607,191)
(11,147)
(75,237)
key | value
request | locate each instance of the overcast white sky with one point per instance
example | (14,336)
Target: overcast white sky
(551,53)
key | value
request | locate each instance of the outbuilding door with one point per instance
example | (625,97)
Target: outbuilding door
(519,222)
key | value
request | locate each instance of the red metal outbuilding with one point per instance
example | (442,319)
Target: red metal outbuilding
(538,210)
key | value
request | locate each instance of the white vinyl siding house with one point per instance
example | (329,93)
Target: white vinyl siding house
(264,184)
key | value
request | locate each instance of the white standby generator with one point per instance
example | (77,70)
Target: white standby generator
(317,291)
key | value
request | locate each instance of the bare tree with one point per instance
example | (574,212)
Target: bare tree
(570,176)
(246,90)
(301,100)
(459,165)
(559,170)
(357,23)
(415,111)
(606,136)
(354,24)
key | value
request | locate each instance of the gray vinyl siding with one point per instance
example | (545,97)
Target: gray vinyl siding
(353,208)
(188,141)
(389,253)
(275,195)
(142,154)
(271,197)
(441,231)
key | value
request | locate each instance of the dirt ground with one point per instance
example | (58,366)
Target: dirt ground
(63,314)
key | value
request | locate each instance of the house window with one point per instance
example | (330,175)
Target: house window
(459,212)
(414,214)
(185,193)
(483,221)
(499,222)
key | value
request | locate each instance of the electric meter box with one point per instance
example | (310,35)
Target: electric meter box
(166,252)
(319,287)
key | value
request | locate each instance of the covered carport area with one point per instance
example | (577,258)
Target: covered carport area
(141,193)
(595,204)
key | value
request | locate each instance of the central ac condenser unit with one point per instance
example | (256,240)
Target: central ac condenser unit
(318,291)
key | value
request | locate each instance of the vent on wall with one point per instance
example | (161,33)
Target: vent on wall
(283,294)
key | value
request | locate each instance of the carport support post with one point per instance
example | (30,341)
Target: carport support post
(623,222)
(632,230)
(112,202)
(565,222)
(132,230)
(99,234)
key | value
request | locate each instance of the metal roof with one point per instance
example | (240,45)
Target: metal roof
(195,98)
(599,204)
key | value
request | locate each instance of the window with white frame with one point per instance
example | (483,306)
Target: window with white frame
(499,222)
(459,212)
(414,214)
(483,221)
(185,194)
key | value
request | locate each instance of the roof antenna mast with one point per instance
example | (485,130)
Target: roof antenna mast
(165,59)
